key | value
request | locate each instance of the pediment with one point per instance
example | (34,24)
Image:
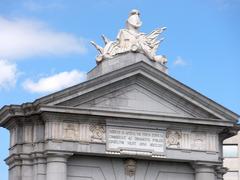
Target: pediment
(135,99)
(140,89)
(139,95)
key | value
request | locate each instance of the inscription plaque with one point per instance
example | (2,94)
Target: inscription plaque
(135,139)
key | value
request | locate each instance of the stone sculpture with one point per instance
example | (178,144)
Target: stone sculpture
(98,131)
(130,167)
(173,139)
(130,39)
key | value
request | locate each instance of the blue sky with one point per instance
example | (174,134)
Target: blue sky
(44,46)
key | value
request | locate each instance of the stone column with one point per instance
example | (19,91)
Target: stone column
(56,166)
(204,171)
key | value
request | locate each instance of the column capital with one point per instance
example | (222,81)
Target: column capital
(205,164)
(220,170)
(57,156)
(205,167)
(205,170)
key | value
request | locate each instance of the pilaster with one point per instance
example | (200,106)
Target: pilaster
(39,167)
(27,168)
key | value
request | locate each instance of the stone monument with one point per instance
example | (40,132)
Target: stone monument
(130,39)
(130,120)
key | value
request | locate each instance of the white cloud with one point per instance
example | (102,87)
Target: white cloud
(55,82)
(22,38)
(179,62)
(8,74)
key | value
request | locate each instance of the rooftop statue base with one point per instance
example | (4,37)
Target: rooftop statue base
(121,61)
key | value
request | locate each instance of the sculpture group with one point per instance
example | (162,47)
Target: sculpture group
(130,39)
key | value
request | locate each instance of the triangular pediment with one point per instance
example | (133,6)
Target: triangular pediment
(139,89)
(135,98)
(136,94)
(136,90)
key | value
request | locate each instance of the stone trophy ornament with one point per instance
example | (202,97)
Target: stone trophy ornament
(131,40)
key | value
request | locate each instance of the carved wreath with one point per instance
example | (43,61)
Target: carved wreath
(173,138)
